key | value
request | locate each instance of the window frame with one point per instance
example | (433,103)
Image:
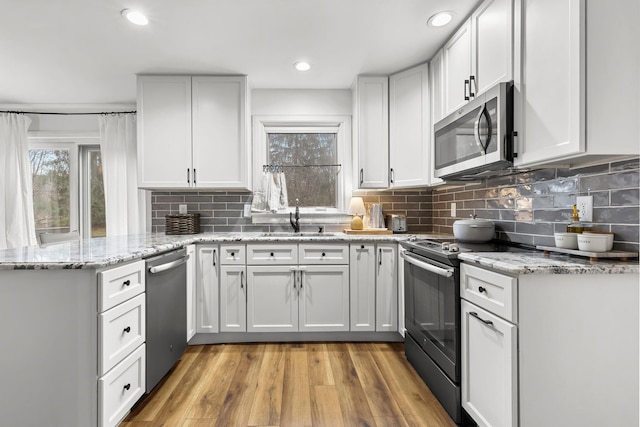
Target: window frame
(79,145)
(340,125)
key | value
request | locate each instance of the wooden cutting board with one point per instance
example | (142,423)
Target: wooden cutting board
(368,231)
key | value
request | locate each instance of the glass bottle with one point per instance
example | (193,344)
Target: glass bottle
(576,226)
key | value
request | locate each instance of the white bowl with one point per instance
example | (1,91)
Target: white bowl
(592,242)
(602,233)
(566,240)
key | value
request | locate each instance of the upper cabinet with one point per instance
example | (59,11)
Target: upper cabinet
(576,81)
(479,55)
(371,130)
(409,128)
(192,132)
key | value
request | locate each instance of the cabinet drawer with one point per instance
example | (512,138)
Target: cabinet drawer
(324,253)
(121,330)
(272,254)
(492,291)
(118,284)
(121,388)
(233,254)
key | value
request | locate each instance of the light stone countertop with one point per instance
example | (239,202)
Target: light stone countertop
(101,252)
(536,262)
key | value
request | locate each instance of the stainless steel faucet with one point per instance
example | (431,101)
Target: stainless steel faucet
(296,224)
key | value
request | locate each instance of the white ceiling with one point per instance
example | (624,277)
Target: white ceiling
(83,51)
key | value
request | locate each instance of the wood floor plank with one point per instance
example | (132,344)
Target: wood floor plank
(320,372)
(381,400)
(325,406)
(353,401)
(391,422)
(267,402)
(215,382)
(175,409)
(296,399)
(239,398)
(414,398)
(149,407)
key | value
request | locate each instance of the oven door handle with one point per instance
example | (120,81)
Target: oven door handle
(426,266)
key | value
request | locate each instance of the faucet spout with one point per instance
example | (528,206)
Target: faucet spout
(295,224)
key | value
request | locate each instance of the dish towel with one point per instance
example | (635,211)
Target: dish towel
(271,194)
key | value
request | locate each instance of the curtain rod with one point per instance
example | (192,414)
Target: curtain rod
(70,114)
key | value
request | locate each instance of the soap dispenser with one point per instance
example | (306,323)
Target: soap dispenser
(576,226)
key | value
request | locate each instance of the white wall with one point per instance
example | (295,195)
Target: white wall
(301,101)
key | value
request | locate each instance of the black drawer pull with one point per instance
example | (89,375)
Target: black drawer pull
(323,254)
(126,283)
(486,322)
(127,329)
(361,246)
(481,289)
(127,386)
(233,254)
(271,253)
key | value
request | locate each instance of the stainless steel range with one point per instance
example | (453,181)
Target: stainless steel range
(432,313)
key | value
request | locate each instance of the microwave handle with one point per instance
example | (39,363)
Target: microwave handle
(476,129)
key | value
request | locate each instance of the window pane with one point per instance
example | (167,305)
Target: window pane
(50,170)
(96,195)
(314,185)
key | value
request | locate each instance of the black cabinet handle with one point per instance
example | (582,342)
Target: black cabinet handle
(233,254)
(361,246)
(323,254)
(392,175)
(380,256)
(127,329)
(194,175)
(466,85)
(126,283)
(188,176)
(214,257)
(127,386)
(271,254)
(472,80)
(361,176)
(481,289)
(486,322)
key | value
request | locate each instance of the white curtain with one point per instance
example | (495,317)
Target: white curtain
(17,223)
(119,171)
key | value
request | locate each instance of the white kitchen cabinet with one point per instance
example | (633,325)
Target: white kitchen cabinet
(233,298)
(538,341)
(576,81)
(387,287)
(193,132)
(207,284)
(272,302)
(285,296)
(324,298)
(371,130)
(489,361)
(436,90)
(456,58)
(409,128)
(192,291)
(363,286)
(479,55)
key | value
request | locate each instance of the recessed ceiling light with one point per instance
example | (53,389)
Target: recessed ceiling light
(302,66)
(135,17)
(440,19)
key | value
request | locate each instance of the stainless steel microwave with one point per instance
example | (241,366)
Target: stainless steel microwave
(477,138)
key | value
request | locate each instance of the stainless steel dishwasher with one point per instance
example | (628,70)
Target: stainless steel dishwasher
(166,292)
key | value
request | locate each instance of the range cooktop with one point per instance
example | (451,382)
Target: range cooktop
(450,248)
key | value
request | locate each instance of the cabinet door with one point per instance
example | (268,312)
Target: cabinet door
(387,287)
(489,367)
(409,125)
(549,101)
(233,298)
(207,284)
(457,69)
(324,298)
(192,296)
(272,300)
(363,287)
(220,141)
(492,44)
(164,132)
(371,130)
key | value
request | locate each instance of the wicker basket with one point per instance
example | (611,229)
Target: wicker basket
(182,224)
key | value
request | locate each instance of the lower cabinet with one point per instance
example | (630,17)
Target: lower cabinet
(233,288)
(207,283)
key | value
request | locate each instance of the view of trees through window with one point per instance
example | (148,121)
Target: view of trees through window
(304,157)
(54,194)
(51,172)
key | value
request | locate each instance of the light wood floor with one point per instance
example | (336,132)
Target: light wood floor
(294,384)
